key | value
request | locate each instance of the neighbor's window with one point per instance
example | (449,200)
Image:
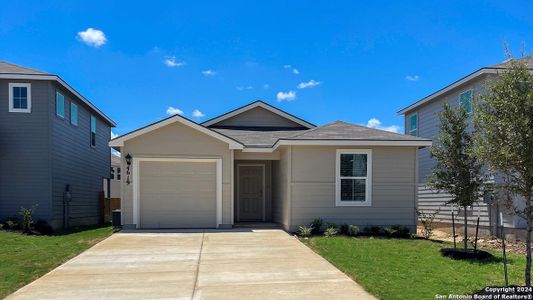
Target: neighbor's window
(466,100)
(112,173)
(118,173)
(353,177)
(20,97)
(60,105)
(73,113)
(93,131)
(413,125)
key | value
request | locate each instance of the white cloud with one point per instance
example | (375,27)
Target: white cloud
(171,62)
(242,88)
(311,83)
(375,123)
(288,96)
(174,111)
(412,77)
(92,37)
(209,73)
(113,135)
(294,70)
(197,114)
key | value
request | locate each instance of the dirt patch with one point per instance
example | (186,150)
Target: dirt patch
(492,243)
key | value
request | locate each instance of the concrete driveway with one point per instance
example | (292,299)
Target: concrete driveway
(234,264)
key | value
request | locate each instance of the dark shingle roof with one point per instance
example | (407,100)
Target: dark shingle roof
(256,138)
(9,68)
(338,130)
(528,60)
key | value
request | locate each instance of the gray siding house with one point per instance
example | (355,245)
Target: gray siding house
(258,163)
(52,140)
(422,120)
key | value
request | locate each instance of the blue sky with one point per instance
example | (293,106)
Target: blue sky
(356,61)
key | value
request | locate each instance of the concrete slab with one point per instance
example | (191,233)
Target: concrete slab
(196,264)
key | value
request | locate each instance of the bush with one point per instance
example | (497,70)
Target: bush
(305,231)
(11,224)
(331,225)
(397,231)
(343,229)
(352,230)
(27,218)
(373,230)
(43,227)
(330,231)
(317,225)
(427,220)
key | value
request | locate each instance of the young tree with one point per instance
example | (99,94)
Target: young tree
(504,120)
(458,170)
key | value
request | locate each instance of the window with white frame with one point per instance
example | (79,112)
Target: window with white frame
(20,97)
(118,174)
(353,178)
(112,173)
(413,125)
(73,113)
(465,99)
(93,131)
(60,105)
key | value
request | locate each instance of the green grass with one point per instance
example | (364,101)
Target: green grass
(412,269)
(24,258)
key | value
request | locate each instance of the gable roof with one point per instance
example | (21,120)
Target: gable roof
(528,60)
(12,71)
(258,103)
(119,141)
(336,133)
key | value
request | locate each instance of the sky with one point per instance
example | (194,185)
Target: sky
(322,61)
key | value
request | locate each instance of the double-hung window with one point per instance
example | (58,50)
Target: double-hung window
(20,97)
(353,178)
(93,131)
(60,105)
(73,113)
(465,100)
(413,125)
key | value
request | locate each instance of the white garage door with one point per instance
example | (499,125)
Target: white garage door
(177,194)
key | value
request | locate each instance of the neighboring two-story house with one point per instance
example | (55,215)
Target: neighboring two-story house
(54,149)
(422,120)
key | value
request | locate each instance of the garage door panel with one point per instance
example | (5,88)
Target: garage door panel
(177,194)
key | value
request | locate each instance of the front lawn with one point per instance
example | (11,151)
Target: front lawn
(24,258)
(412,269)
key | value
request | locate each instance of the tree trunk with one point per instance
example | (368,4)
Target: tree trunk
(466,230)
(528,240)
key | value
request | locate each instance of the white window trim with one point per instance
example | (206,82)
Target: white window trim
(64,112)
(91,117)
(409,124)
(71,114)
(19,110)
(471,100)
(136,184)
(368,191)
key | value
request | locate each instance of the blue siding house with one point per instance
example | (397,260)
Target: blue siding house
(54,151)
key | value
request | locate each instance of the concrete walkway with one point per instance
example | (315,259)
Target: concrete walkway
(234,264)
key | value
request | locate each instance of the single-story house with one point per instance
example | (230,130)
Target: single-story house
(258,163)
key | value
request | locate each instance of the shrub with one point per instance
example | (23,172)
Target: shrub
(352,230)
(330,231)
(305,231)
(397,231)
(343,229)
(11,224)
(27,218)
(317,225)
(373,230)
(427,220)
(331,225)
(1,226)
(43,227)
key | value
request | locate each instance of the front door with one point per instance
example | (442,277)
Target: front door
(250,193)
